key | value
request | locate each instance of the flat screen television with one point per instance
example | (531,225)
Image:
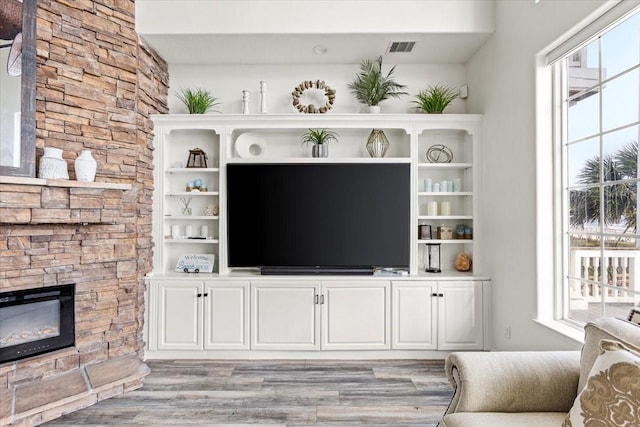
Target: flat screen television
(306,218)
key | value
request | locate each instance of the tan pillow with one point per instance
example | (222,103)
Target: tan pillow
(611,396)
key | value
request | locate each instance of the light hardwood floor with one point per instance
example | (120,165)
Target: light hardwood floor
(291,393)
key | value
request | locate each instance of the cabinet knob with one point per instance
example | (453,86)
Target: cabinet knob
(316,299)
(441,295)
(206,294)
(434,294)
(199,295)
(321,299)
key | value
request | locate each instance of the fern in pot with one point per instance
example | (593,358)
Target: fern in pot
(434,99)
(320,139)
(371,86)
(198,101)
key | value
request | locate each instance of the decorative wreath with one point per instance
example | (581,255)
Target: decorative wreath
(312,109)
(439,154)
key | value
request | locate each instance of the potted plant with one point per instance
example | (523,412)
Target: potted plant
(371,86)
(320,139)
(434,99)
(198,101)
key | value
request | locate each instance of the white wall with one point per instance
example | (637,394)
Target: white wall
(228,82)
(502,87)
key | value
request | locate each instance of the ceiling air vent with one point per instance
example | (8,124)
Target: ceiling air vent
(401,47)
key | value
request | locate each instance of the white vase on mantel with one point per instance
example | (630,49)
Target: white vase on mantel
(373,109)
(52,165)
(85,166)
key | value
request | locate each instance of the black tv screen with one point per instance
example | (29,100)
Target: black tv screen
(316,216)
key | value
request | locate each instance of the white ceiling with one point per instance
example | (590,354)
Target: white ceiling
(244,49)
(248,32)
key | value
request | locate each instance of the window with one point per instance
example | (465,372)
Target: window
(597,85)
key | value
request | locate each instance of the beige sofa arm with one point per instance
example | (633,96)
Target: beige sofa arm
(513,381)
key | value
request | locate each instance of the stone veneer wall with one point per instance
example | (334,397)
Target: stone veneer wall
(97,84)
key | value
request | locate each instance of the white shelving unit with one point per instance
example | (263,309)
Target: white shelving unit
(240,314)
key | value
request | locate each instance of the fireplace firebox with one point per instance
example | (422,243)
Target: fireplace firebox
(36,321)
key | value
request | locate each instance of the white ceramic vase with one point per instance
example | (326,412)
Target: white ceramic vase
(373,109)
(52,165)
(85,166)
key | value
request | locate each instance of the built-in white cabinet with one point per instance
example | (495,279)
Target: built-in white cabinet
(186,315)
(284,316)
(238,313)
(356,315)
(439,315)
(345,315)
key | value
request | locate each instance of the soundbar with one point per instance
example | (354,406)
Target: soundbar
(336,271)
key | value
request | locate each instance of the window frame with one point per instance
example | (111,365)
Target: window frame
(552,70)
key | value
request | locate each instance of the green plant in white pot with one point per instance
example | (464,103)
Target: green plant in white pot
(434,99)
(198,101)
(371,86)
(320,139)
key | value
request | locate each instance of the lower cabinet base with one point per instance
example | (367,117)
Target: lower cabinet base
(296,355)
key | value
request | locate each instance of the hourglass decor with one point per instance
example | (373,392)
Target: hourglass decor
(433,258)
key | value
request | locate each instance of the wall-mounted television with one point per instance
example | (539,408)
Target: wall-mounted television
(315,218)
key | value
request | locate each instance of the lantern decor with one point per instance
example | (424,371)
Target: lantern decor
(197,158)
(433,258)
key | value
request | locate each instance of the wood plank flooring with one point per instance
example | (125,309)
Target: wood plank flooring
(286,393)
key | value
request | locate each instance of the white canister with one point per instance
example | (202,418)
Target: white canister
(188,231)
(204,231)
(52,165)
(175,231)
(85,166)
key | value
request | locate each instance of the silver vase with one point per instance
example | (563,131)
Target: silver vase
(320,150)
(377,144)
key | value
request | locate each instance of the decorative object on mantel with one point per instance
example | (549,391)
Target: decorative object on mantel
(198,101)
(52,165)
(463,262)
(245,102)
(186,210)
(263,97)
(197,158)
(439,153)
(377,143)
(299,90)
(434,99)
(196,263)
(371,87)
(320,139)
(85,166)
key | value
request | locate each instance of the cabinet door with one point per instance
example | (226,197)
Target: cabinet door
(355,315)
(460,316)
(179,316)
(414,326)
(284,317)
(226,315)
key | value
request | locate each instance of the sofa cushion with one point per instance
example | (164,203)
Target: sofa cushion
(503,419)
(607,328)
(611,395)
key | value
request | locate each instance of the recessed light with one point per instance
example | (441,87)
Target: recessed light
(319,49)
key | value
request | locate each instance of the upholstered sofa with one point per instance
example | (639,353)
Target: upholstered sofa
(538,389)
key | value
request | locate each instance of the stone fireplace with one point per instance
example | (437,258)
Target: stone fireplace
(97,83)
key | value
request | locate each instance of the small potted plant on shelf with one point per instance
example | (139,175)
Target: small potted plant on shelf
(198,101)
(320,139)
(371,86)
(434,99)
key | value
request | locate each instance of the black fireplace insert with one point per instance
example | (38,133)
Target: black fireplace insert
(36,321)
